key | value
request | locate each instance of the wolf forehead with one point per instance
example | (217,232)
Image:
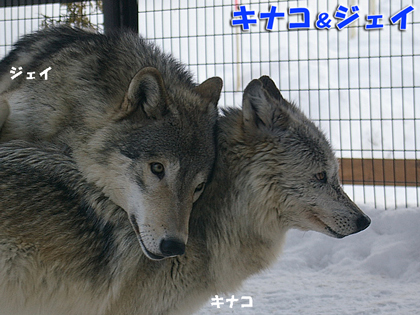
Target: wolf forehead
(178,138)
(302,138)
(307,141)
(288,129)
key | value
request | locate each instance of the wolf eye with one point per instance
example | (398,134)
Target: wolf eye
(157,169)
(199,187)
(322,177)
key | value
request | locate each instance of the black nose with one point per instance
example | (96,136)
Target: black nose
(363,222)
(172,247)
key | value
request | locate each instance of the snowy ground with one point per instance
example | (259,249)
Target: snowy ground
(374,272)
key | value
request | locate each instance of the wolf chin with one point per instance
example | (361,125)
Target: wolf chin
(131,117)
(66,248)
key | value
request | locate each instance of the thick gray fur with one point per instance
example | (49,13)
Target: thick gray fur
(65,248)
(118,105)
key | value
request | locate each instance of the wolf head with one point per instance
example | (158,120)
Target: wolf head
(293,170)
(155,157)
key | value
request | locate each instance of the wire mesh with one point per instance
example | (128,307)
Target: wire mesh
(16,21)
(360,86)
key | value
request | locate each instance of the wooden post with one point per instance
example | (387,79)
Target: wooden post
(383,172)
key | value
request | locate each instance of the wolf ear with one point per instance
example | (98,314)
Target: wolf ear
(271,87)
(146,92)
(260,109)
(210,90)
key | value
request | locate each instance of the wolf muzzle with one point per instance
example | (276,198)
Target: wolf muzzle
(362,222)
(172,247)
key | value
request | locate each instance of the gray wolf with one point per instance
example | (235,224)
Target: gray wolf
(65,248)
(131,116)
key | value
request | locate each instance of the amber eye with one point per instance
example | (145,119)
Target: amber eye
(199,187)
(322,177)
(157,169)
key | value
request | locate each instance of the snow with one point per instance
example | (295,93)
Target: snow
(365,77)
(376,271)
(360,87)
